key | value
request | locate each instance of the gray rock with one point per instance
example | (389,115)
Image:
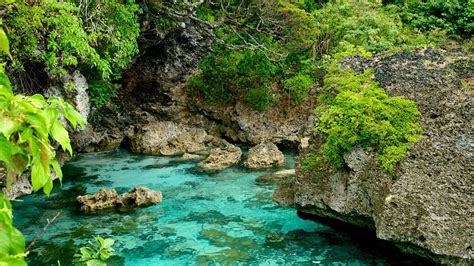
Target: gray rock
(264,155)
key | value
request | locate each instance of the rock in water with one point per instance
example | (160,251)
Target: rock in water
(102,199)
(221,158)
(276,177)
(264,155)
(141,197)
(108,199)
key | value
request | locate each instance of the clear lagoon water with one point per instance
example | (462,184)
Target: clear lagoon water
(217,219)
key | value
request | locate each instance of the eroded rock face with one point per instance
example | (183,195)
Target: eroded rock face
(221,158)
(426,205)
(264,155)
(109,199)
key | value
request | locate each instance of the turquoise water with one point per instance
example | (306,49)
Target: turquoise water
(218,219)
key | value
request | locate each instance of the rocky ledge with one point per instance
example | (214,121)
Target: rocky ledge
(426,206)
(110,199)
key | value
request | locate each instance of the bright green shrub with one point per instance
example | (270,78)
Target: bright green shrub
(96,253)
(228,75)
(455,16)
(347,24)
(298,86)
(356,112)
(100,38)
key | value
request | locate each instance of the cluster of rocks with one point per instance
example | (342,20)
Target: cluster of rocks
(110,199)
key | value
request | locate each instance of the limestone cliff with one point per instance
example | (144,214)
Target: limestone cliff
(427,205)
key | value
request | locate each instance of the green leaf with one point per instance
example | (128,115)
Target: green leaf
(25,135)
(57,169)
(4,43)
(86,252)
(107,243)
(38,123)
(39,177)
(96,262)
(60,134)
(37,100)
(17,244)
(8,126)
(48,186)
(5,82)
(73,116)
(5,150)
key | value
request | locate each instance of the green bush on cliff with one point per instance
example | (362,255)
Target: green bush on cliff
(355,111)
(454,16)
(98,37)
(287,41)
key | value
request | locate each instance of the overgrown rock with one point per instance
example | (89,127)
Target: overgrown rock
(264,155)
(426,205)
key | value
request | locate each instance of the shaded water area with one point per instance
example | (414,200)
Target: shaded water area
(204,219)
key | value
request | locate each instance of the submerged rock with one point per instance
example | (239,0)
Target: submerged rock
(191,157)
(276,177)
(109,199)
(264,155)
(221,158)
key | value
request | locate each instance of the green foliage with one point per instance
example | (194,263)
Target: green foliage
(28,125)
(96,253)
(261,98)
(298,86)
(228,75)
(100,37)
(454,16)
(311,161)
(284,42)
(346,24)
(12,243)
(102,92)
(356,112)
